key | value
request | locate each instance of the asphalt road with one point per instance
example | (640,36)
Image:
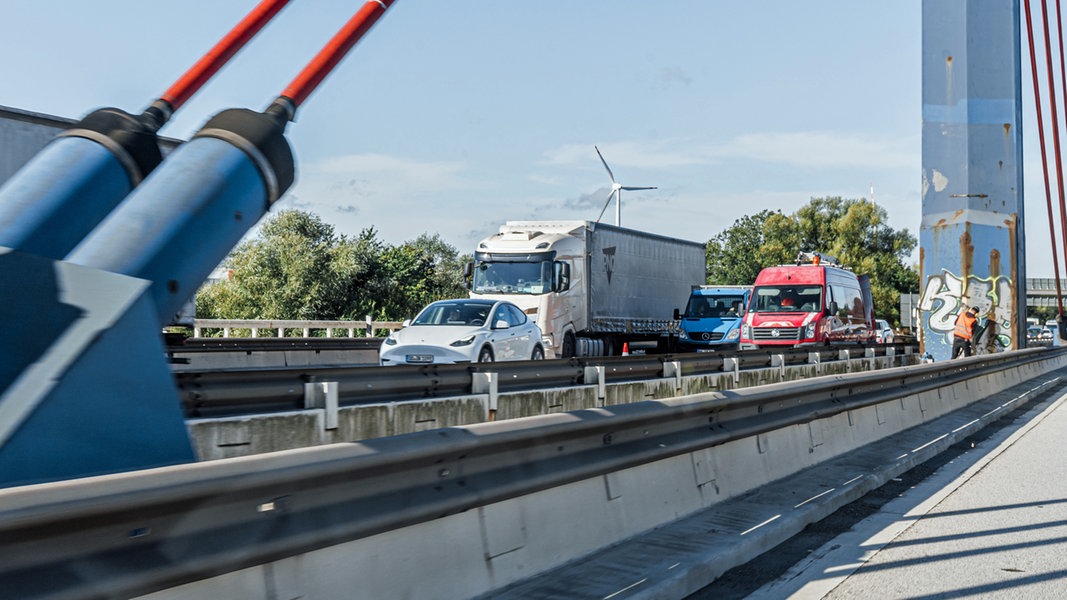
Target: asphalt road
(990,521)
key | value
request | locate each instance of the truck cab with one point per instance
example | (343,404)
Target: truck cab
(712,318)
(815,301)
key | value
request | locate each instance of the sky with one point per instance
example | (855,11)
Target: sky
(452,117)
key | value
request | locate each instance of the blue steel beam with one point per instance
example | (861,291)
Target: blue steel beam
(971,236)
(88,390)
(72,184)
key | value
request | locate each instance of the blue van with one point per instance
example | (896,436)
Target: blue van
(712,318)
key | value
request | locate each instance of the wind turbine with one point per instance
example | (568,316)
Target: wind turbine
(616,191)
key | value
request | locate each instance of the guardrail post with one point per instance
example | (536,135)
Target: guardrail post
(597,373)
(846,355)
(814,358)
(370,327)
(778,360)
(891,352)
(868,353)
(732,363)
(323,394)
(673,368)
(487,383)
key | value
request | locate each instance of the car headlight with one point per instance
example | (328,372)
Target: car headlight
(809,330)
(733,335)
(390,341)
(467,341)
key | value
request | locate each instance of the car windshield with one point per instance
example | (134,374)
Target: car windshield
(512,277)
(787,298)
(726,307)
(454,313)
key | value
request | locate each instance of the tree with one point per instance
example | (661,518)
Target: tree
(298,268)
(732,254)
(284,273)
(853,231)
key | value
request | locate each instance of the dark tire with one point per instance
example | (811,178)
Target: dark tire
(568,346)
(486,355)
(538,353)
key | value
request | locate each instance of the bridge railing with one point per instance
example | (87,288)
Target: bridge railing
(237,328)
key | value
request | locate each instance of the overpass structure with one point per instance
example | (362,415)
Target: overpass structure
(1042,292)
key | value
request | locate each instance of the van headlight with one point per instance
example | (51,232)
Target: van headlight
(682,335)
(467,341)
(809,330)
(733,335)
(746,331)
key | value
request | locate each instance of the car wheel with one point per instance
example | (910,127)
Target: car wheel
(486,355)
(538,353)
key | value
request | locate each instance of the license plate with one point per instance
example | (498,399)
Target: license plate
(420,358)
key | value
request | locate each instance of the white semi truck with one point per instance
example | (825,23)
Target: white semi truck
(591,287)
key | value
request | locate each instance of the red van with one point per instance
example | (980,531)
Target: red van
(813,302)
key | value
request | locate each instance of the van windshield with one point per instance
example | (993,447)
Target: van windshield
(512,277)
(726,307)
(786,298)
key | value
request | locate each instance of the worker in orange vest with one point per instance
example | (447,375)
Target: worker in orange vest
(964,331)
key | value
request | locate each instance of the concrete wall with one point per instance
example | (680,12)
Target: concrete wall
(243,436)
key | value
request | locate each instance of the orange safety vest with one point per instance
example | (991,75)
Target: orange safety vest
(965,325)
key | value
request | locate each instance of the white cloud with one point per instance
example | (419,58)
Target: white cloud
(820,149)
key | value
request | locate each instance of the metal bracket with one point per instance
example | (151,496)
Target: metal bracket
(487,383)
(323,394)
(673,368)
(596,374)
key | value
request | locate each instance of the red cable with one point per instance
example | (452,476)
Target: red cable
(1044,156)
(197,76)
(1055,128)
(327,58)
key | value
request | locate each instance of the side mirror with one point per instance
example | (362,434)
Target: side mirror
(677,315)
(561,276)
(468,274)
(501,324)
(833,308)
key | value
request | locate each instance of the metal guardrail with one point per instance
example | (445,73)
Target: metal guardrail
(131,534)
(229,393)
(282,327)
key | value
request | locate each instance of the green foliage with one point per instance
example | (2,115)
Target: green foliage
(298,268)
(853,231)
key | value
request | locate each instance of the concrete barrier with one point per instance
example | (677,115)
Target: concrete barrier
(242,436)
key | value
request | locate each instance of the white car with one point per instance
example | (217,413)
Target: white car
(883,332)
(464,330)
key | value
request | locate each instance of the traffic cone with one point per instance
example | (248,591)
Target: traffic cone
(626,349)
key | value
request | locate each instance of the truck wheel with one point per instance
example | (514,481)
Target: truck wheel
(568,345)
(486,355)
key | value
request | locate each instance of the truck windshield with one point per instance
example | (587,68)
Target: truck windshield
(512,277)
(701,307)
(774,298)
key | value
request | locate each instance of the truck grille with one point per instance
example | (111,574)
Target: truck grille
(775,333)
